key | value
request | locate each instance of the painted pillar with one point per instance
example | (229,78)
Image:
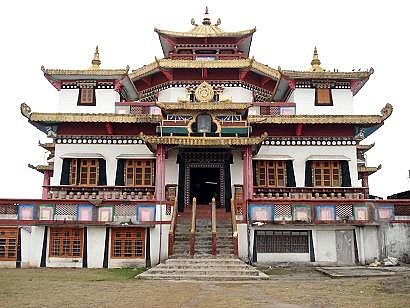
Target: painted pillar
(365,183)
(160,174)
(247,173)
(46,183)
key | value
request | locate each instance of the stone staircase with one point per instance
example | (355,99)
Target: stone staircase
(203,265)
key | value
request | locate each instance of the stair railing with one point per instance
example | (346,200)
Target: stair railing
(213,230)
(171,234)
(234,228)
(193,228)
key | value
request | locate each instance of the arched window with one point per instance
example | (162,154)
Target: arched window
(204,123)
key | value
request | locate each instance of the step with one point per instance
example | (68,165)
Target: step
(204,272)
(210,261)
(202,266)
(199,277)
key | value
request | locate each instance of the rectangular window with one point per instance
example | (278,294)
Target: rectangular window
(282,242)
(66,242)
(326,173)
(139,172)
(8,244)
(86,97)
(84,172)
(323,97)
(127,243)
(271,173)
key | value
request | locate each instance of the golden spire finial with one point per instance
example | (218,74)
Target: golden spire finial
(316,62)
(95,63)
(206,21)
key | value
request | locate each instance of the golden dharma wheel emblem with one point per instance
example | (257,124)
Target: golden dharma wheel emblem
(204,92)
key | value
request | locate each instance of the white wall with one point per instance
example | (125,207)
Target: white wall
(36,245)
(25,246)
(301,153)
(171,95)
(283,257)
(236,169)
(305,102)
(394,239)
(243,241)
(171,168)
(238,94)
(95,246)
(109,151)
(105,101)
(325,246)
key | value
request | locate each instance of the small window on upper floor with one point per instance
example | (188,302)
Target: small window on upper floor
(323,97)
(86,97)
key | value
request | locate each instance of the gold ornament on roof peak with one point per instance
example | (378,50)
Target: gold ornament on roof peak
(204,92)
(95,63)
(316,62)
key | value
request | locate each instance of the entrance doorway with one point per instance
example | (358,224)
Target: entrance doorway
(205,184)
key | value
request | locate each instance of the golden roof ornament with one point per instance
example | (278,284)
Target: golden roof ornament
(204,92)
(316,62)
(95,63)
(206,21)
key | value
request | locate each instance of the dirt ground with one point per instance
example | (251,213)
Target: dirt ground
(116,288)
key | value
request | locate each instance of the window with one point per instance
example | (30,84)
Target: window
(326,173)
(139,172)
(323,97)
(8,244)
(282,242)
(271,173)
(127,243)
(84,172)
(66,242)
(86,97)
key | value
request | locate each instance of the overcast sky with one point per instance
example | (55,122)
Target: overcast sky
(349,35)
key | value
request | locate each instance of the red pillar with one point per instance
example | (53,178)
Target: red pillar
(365,184)
(46,184)
(247,173)
(160,174)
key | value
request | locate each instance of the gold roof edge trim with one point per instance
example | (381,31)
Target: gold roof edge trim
(235,63)
(203,106)
(195,33)
(327,74)
(87,72)
(42,168)
(365,147)
(203,141)
(370,170)
(324,118)
(91,117)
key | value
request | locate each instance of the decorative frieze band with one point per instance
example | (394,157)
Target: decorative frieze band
(99,140)
(309,141)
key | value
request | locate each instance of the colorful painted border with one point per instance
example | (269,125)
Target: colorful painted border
(319,207)
(153,209)
(82,206)
(296,206)
(25,206)
(360,206)
(105,207)
(384,206)
(269,207)
(45,206)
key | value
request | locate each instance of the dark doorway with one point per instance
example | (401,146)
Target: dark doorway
(205,184)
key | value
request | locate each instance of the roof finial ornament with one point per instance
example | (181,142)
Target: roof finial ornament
(316,62)
(95,63)
(206,21)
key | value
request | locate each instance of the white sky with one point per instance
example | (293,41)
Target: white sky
(63,34)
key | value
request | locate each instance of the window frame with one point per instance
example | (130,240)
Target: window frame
(271,173)
(282,241)
(319,102)
(147,179)
(74,242)
(7,245)
(127,252)
(81,101)
(320,165)
(76,173)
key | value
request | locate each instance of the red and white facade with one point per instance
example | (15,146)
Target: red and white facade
(205,121)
